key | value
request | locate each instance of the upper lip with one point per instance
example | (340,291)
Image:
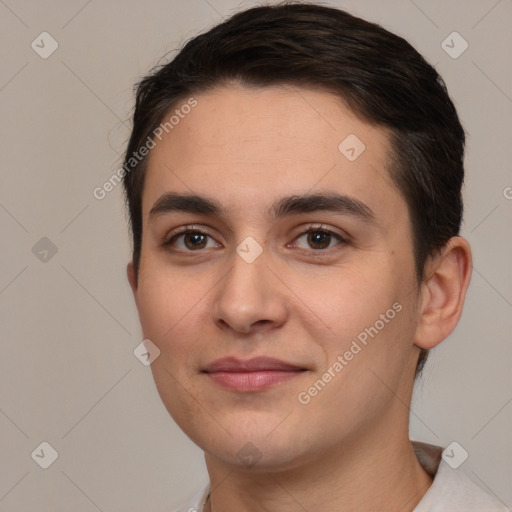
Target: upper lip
(232,364)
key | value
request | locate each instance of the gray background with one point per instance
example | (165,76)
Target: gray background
(68,375)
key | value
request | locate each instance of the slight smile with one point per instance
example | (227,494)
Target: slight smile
(255,374)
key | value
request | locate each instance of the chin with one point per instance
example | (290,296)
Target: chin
(258,457)
(255,445)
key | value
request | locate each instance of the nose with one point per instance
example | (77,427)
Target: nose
(250,298)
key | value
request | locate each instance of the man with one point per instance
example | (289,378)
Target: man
(294,186)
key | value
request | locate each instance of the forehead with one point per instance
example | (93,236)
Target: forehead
(247,145)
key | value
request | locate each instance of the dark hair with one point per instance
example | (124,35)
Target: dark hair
(381,77)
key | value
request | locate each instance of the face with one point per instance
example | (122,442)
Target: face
(277,276)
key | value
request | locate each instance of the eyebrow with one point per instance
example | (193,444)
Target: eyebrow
(332,202)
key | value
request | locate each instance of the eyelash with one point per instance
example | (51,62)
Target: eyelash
(311,229)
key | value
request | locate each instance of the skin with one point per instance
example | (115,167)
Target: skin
(347,449)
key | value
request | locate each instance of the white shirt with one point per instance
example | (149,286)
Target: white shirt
(451,490)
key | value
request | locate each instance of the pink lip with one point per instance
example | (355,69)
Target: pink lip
(253,375)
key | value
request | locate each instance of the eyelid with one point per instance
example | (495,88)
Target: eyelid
(195,228)
(184,230)
(343,239)
(343,236)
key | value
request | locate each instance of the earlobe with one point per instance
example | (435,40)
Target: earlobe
(132,277)
(443,293)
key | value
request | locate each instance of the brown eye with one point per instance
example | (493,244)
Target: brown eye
(191,240)
(318,239)
(195,241)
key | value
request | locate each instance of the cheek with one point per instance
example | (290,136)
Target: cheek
(170,305)
(170,312)
(364,368)
(348,299)
(370,325)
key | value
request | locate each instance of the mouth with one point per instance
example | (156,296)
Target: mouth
(254,374)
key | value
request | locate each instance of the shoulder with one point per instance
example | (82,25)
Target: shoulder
(453,491)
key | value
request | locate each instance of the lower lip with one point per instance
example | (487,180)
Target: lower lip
(252,381)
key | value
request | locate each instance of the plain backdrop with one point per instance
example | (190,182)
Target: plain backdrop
(68,375)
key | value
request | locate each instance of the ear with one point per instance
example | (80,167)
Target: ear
(132,277)
(443,292)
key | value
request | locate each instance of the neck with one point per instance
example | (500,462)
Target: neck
(369,473)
